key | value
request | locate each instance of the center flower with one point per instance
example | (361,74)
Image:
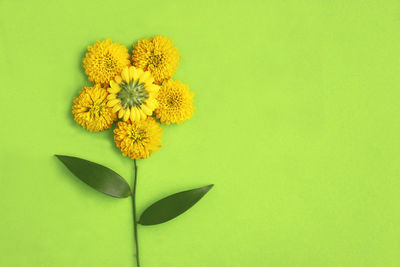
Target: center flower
(132,94)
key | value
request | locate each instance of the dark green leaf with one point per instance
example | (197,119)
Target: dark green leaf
(172,206)
(97,176)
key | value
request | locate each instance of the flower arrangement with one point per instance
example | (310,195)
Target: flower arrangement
(137,93)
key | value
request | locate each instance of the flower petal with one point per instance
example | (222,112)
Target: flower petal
(118,79)
(135,74)
(126,115)
(125,75)
(146,78)
(121,113)
(153,88)
(113,102)
(139,73)
(146,110)
(151,105)
(142,115)
(137,114)
(114,87)
(116,108)
(133,113)
(111,96)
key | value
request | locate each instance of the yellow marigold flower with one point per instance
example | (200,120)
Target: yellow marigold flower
(138,139)
(156,55)
(175,102)
(133,94)
(90,109)
(105,60)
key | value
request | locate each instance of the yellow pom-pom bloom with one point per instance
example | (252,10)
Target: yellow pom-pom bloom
(133,94)
(175,102)
(156,55)
(138,140)
(105,60)
(90,109)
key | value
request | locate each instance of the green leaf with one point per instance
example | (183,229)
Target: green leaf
(97,176)
(172,206)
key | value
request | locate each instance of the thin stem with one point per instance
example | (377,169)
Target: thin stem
(134,214)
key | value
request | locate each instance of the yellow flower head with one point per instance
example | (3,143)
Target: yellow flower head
(175,102)
(105,60)
(138,139)
(90,109)
(156,55)
(133,94)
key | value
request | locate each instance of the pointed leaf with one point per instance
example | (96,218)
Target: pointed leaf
(172,206)
(97,176)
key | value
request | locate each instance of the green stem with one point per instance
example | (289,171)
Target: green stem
(134,214)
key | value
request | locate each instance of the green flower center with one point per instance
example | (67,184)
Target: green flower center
(132,94)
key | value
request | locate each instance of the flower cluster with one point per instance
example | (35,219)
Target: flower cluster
(136,89)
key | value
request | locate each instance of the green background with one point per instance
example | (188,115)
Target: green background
(297,125)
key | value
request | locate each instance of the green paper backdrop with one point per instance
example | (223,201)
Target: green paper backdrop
(297,124)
